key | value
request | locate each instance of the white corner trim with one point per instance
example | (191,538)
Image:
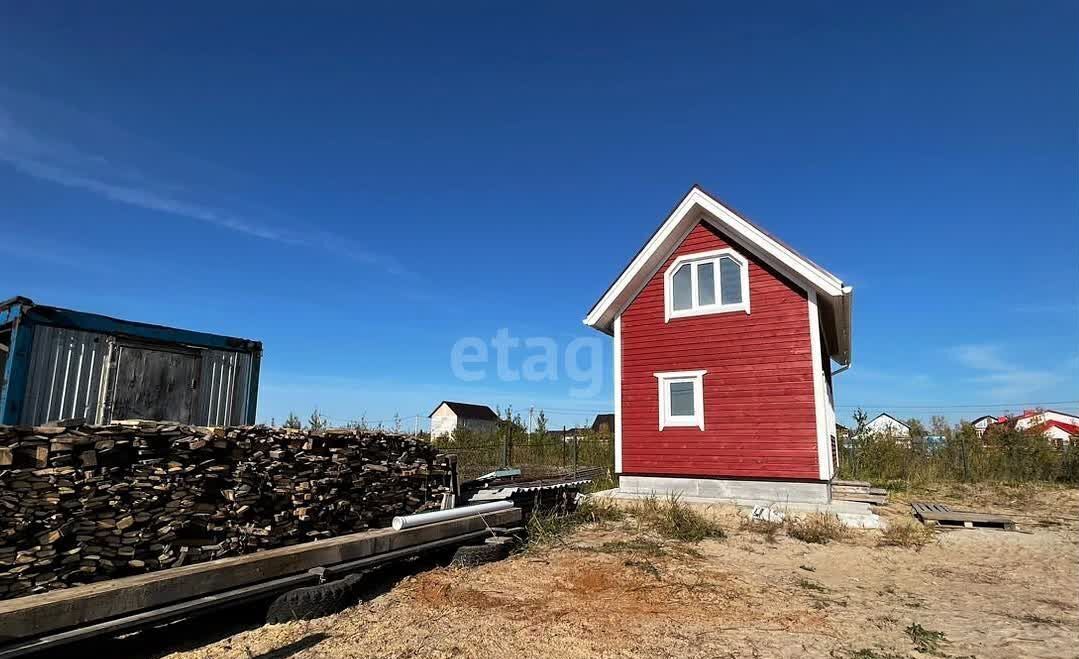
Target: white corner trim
(703,310)
(824,449)
(664,378)
(618,394)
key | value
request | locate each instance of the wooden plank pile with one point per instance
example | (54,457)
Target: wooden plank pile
(88,503)
(859,491)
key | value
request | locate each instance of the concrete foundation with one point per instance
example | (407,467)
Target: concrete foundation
(778,492)
(781,498)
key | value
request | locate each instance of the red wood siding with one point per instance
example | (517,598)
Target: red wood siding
(759,413)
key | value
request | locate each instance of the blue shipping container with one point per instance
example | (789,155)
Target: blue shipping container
(60,364)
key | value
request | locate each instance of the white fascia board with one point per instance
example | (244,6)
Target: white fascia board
(669,227)
(823,281)
(806,274)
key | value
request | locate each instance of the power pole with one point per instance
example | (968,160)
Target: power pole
(530,410)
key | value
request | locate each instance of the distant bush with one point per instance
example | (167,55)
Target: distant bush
(1003,454)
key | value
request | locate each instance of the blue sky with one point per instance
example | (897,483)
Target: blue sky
(360,188)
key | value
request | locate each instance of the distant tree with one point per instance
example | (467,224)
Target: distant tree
(917,428)
(293,421)
(940,427)
(541,424)
(358,424)
(861,422)
(396,422)
(317,422)
(916,436)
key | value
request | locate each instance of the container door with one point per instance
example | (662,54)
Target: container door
(153,382)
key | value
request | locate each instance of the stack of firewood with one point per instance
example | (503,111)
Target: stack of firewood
(88,503)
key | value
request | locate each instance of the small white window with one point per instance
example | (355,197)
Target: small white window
(705,283)
(681,398)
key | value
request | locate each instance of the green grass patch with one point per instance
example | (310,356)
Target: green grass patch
(808,584)
(925,640)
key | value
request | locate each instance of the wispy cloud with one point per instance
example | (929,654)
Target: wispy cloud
(982,357)
(54,144)
(1000,377)
(20,249)
(1048,308)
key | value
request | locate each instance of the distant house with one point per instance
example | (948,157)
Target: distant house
(1059,433)
(566,435)
(449,416)
(983,422)
(1032,418)
(604,424)
(1058,427)
(885,423)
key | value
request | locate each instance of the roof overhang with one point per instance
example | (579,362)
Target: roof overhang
(834,299)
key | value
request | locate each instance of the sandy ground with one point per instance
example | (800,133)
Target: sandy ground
(992,594)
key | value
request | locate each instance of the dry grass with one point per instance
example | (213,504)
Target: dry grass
(817,528)
(672,518)
(768,529)
(639,545)
(907,534)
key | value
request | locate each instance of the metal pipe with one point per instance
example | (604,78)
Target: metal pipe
(421,519)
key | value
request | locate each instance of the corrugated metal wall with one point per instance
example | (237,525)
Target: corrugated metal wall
(65,375)
(68,379)
(223,388)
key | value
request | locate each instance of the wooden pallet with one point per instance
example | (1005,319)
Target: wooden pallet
(940,515)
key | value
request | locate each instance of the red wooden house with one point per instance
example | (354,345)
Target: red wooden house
(724,339)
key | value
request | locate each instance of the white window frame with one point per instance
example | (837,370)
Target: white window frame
(698,309)
(665,379)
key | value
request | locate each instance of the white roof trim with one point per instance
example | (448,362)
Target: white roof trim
(890,417)
(699,205)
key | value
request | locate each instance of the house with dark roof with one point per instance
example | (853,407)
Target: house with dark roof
(983,422)
(449,416)
(603,424)
(886,424)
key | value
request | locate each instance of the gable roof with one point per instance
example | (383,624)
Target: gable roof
(834,298)
(890,417)
(1032,413)
(1069,428)
(467,411)
(984,416)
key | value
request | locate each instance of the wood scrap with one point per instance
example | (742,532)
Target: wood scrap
(83,503)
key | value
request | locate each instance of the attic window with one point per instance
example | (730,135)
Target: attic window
(706,283)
